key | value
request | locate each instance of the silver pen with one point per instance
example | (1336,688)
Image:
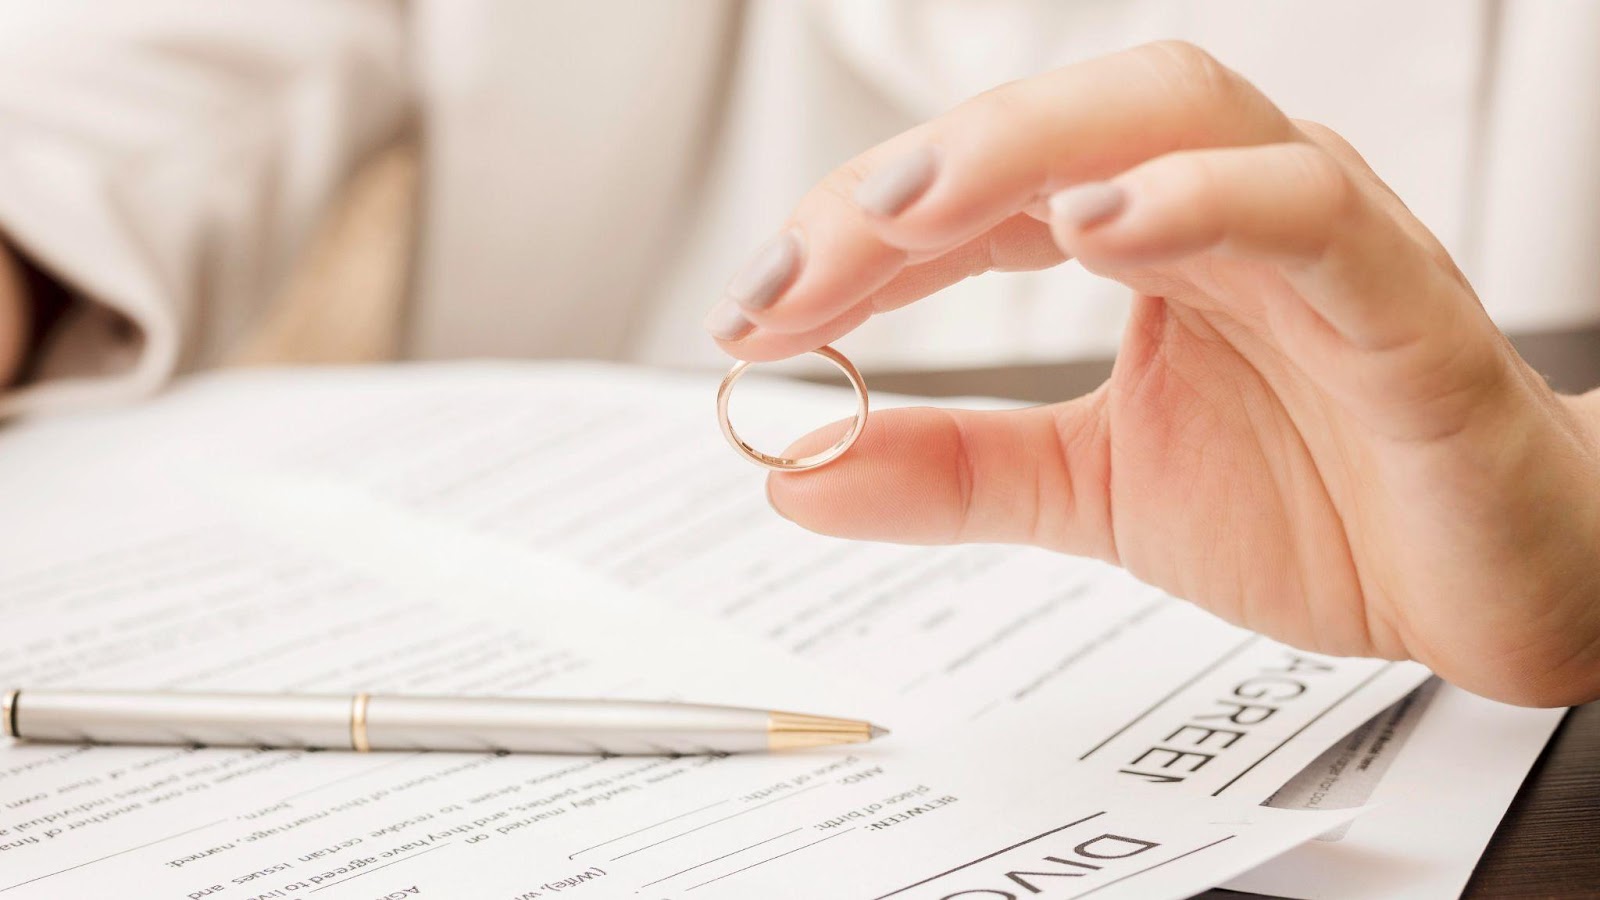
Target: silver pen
(365,722)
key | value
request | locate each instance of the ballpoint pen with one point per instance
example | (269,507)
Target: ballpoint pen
(364,722)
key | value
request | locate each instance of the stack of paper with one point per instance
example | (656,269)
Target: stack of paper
(1060,730)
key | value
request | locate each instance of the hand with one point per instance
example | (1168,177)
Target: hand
(13,317)
(1312,428)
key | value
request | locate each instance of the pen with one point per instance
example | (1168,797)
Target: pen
(365,722)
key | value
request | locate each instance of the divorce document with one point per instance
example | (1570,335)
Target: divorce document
(1060,730)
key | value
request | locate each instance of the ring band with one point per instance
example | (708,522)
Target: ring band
(358,723)
(782,463)
(8,713)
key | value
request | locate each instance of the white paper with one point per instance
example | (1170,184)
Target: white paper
(440,530)
(621,473)
(1439,769)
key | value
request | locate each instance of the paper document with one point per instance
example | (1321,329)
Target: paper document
(1440,768)
(564,530)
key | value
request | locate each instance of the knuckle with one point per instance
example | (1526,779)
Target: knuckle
(1335,144)
(1323,176)
(1003,96)
(998,108)
(1212,96)
(1187,57)
(839,185)
(1328,194)
(966,478)
(1360,172)
(1193,181)
(1195,172)
(1324,136)
(1190,69)
(1192,176)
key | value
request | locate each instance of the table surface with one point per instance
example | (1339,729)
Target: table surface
(1548,844)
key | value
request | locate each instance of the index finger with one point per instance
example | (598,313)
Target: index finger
(948,181)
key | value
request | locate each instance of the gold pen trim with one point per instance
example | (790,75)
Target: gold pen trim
(358,723)
(795,731)
(8,712)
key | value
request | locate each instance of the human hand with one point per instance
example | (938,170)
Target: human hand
(13,317)
(1312,428)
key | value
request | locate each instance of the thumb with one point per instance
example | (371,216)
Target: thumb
(938,476)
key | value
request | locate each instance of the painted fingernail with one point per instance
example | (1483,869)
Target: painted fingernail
(1088,204)
(726,321)
(899,183)
(759,284)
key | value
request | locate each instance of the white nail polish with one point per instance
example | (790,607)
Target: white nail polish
(898,184)
(1087,204)
(759,284)
(726,322)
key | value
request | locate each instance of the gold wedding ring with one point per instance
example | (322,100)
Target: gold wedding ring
(785,464)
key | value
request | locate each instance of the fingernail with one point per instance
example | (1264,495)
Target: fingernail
(1088,204)
(726,321)
(762,280)
(894,187)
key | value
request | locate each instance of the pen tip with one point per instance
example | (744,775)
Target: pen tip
(878,731)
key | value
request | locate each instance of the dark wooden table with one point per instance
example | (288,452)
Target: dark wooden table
(1548,844)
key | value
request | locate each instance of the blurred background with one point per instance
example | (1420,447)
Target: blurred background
(189,183)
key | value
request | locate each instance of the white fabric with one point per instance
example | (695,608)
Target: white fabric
(168,158)
(596,170)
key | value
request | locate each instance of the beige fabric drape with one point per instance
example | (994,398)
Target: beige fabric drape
(590,171)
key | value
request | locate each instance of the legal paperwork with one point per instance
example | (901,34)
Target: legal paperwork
(1440,768)
(1060,729)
